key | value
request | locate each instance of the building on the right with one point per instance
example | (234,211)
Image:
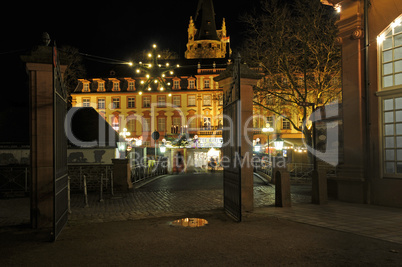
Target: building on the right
(370,33)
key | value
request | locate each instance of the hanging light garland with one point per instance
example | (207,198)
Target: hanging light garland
(155,73)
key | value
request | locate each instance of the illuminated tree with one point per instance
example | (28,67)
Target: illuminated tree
(294,45)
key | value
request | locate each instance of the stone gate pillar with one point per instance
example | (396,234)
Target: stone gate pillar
(40,70)
(248,79)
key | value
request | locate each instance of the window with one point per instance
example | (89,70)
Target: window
(191,100)
(116,102)
(207,122)
(101,103)
(131,102)
(116,86)
(285,124)
(115,123)
(392,135)
(176,84)
(131,125)
(206,100)
(192,121)
(220,100)
(146,101)
(86,102)
(161,101)
(391,56)
(86,87)
(177,100)
(101,87)
(131,86)
(146,124)
(191,84)
(176,121)
(206,83)
(270,121)
(161,124)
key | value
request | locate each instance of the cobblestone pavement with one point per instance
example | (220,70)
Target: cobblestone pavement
(144,203)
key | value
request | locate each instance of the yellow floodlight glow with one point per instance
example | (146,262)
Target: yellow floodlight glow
(396,23)
(338,8)
(380,38)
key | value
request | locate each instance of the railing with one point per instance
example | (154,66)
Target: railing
(142,172)
(95,175)
(297,170)
(15,180)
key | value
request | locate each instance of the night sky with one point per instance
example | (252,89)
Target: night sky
(114,30)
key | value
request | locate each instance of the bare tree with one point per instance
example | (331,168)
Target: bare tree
(294,45)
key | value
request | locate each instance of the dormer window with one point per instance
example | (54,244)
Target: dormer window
(116,86)
(101,86)
(86,87)
(131,86)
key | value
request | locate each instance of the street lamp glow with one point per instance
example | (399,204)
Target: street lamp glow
(278,143)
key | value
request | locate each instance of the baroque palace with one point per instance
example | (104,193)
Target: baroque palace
(175,97)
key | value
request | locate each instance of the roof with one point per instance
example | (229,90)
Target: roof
(125,73)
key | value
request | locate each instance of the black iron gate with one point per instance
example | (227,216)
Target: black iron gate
(60,170)
(231,150)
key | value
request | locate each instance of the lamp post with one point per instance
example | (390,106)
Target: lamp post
(267,129)
(121,146)
(278,143)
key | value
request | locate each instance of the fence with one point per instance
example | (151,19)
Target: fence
(142,172)
(15,180)
(297,171)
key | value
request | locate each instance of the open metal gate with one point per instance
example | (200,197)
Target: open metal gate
(60,170)
(232,138)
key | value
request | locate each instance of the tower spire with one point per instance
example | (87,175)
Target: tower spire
(207,30)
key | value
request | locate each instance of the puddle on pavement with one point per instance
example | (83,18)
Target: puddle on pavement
(189,222)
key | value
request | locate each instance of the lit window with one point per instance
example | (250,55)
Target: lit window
(391,56)
(86,87)
(86,102)
(176,84)
(101,87)
(115,123)
(146,101)
(191,84)
(206,100)
(285,125)
(101,103)
(130,102)
(176,100)
(161,124)
(116,102)
(161,101)
(146,124)
(206,83)
(131,86)
(191,100)
(392,135)
(116,86)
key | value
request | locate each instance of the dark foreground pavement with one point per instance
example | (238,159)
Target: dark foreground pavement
(260,240)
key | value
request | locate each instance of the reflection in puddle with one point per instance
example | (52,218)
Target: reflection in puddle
(190,222)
